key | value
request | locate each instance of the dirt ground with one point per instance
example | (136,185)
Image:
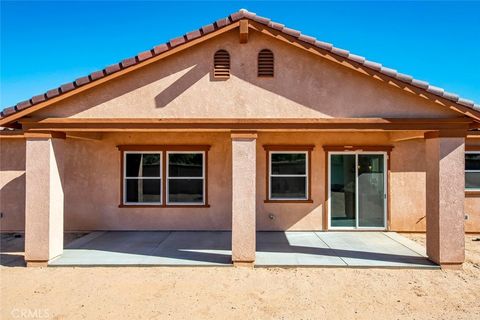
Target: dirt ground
(239,293)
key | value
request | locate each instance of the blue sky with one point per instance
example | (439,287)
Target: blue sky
(45,44)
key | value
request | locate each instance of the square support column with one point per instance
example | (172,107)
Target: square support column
(445,199)
(44,198)
(243,198)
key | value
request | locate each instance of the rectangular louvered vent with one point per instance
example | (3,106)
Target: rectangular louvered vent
(221,62)
(265,63)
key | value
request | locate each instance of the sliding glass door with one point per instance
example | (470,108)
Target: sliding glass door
(357,190)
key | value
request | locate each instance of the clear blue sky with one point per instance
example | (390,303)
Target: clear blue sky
(45,44)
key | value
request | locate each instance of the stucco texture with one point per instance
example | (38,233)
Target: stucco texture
(244,202)
(181,86)
(92,185)
(304,86)
(12,184)
(44,201)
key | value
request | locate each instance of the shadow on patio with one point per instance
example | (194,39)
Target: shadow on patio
(189,248)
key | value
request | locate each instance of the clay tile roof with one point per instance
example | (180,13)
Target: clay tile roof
(241,14)
(23,105)
(96,75)
(129,62)
(159,49)
(193,35)
(112,68)
(52,93)
(177,41)
(81,81)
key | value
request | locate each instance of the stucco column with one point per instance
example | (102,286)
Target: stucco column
(44,198)
(243,198)
(445,199)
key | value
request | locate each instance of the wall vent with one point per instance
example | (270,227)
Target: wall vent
(221,65)
(265,63)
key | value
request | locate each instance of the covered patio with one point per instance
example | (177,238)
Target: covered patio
(274,249)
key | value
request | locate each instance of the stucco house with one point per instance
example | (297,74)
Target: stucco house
(242,125)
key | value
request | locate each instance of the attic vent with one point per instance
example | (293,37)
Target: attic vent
(265,63)
(221,63)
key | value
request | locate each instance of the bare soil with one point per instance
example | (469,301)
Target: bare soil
(240,293)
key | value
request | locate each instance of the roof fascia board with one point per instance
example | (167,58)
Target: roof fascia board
(17,115)
(287,35)
(279,35)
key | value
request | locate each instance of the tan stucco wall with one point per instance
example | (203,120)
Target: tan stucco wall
(12,184)
(407,186)
(92,192)
(181,87)
(406,181)
(304,86)
(92,184)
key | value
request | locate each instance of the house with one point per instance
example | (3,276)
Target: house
(242,125)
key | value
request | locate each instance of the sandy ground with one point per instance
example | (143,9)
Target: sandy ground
(238,293)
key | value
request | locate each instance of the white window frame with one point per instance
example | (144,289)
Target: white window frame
(270,175)
(125,178)
(168,178)
(472,171)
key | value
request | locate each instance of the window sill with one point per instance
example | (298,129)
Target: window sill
(472,193)
(164,206)
(288,201)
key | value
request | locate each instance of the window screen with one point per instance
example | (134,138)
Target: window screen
(186,181)
(288,176)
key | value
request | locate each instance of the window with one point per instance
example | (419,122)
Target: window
(164,176)
(221,65)
(288,173)
(265,63)
(143,178)
(472,170)
(186,178)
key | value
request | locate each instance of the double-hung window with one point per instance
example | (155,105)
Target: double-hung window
(143,178)
(288,174)
(186,177)
(472,170)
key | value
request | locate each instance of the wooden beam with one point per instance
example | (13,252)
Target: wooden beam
(244,31)
(222,124)
(358,147)
(90,136)
(11,134)
(399,136)
(445,134)
(161,147)
(473,134)
(45,135)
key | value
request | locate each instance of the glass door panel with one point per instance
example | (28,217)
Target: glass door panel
(371,190)
(342,190)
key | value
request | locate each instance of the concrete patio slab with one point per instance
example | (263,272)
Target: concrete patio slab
(281,249)
(374,249)
(118,248)
(293,249)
